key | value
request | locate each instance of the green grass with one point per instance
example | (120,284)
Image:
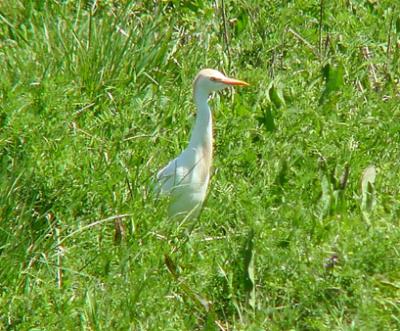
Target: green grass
(96,97)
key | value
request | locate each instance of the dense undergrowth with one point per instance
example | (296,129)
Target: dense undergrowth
(301,227)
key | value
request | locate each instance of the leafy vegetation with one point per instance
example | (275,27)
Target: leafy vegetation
(301,227)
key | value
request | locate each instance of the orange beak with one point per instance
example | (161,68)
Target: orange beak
(232,81)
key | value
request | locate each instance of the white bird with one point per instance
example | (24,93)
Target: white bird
(185,179)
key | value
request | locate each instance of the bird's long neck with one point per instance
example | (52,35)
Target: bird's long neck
(202,132)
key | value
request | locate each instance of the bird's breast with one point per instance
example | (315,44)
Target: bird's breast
(205,161)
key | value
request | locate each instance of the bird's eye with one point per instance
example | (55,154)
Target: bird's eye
(213,79)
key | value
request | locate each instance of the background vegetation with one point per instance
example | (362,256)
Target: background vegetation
(301,227)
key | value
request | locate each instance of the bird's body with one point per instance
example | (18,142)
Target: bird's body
(186,177)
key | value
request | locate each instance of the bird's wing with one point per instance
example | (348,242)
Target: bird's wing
(166,177)
(175,173)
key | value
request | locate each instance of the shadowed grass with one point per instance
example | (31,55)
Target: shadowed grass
(298,231)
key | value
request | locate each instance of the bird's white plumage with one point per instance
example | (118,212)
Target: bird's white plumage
(185,179)
(182,181)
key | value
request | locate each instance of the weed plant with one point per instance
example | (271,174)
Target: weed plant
(300,230)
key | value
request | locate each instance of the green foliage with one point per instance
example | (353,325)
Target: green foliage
(301,226)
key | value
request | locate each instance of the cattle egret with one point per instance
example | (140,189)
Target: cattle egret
(185,179)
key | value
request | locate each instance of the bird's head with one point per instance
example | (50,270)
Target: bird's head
(210,80)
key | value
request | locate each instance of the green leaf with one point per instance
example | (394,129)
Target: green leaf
(326,196)
(241,23)
(334,81)
(368,188)
(248,277)
(267,119)
(276,96)
(281,178)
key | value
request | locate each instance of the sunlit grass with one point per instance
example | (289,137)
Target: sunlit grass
(301,226)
